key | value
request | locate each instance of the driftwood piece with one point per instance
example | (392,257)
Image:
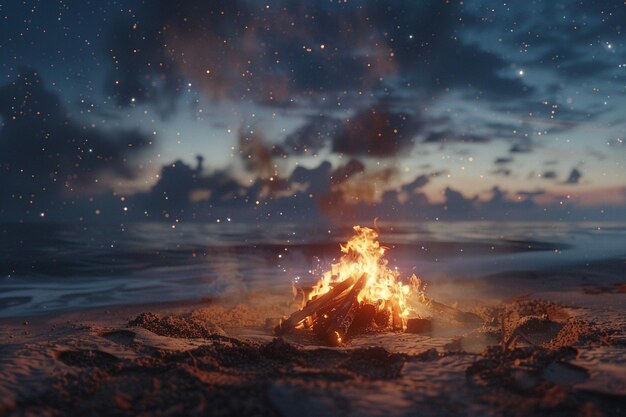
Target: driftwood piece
(419,326)
(314,306)
(396,319)
(341,320)
(382,318)
(452,313)
(363,319)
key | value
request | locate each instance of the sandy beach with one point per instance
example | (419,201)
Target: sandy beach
(555,347)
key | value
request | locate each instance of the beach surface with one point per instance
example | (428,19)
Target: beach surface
(548,343)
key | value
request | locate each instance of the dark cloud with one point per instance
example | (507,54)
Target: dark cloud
(183,192)
(142,67)
(585,69)
(521,147)
(256,153)
(312,136)
(502,171)
(570,62)
(564,46)
(456,203)
(453,137)
(600,156)
(434,55)
(377,131)
(479,72)
(574,177)
(552,114)
(549,175)
(419,182)
(172,193)
(316,179)
(234,49)
(351,168)
(503,160)
(557,54)
(240,49)
(186,193)
(498,196)
(45,155)
(503,130)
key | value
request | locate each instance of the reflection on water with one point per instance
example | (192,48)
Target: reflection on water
(57,267)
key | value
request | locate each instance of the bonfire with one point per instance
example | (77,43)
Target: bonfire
(359,293)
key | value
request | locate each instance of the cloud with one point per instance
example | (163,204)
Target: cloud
(549,175)
(502,171)
(503,161)
(377,131)
(312,136)
(480,72)
(46,155)
(448,136)
(419,182)
(574,177)
(183,192)
(345,172)
(276,56)
(521,147)
(316,179)
(256,153)
(142,67)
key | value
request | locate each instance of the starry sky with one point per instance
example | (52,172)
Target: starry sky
(242,110)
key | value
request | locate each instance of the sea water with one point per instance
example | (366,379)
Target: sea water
(60,267)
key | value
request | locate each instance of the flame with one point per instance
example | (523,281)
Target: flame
(384,288)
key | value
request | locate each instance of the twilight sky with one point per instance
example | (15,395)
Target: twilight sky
(250,110)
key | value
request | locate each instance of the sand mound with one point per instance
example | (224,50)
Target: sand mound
(171,326)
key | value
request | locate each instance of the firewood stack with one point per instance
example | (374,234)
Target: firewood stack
(338,314)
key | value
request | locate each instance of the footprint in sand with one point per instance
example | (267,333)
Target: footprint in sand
(121,337)
(85,358)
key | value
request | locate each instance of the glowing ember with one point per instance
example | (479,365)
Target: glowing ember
(383,288)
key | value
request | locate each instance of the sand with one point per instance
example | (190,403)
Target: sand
(552,352)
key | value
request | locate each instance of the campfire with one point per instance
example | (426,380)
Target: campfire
(359,293)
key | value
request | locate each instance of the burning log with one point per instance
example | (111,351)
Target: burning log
(314,306)
(363,319)
(396,320)
(332,313)
(337,329)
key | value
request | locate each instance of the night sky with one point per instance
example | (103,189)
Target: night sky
(234,110)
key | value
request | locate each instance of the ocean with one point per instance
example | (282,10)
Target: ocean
(62,267)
